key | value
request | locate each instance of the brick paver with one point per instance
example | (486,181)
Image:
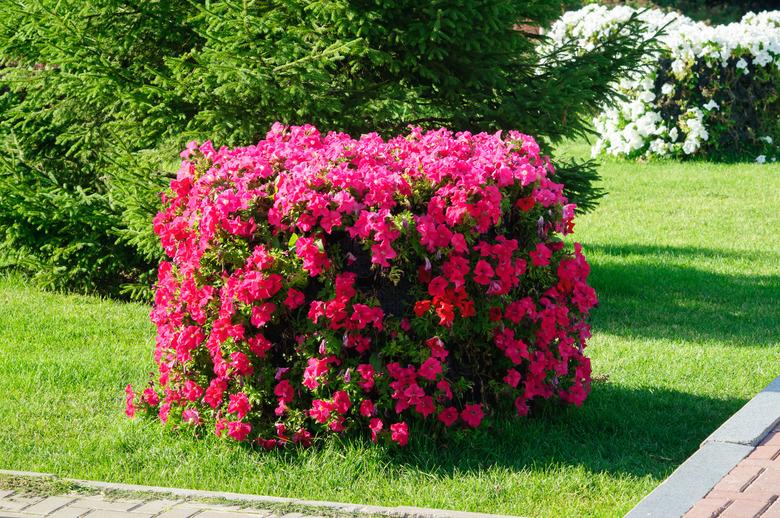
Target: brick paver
(75,506)
(750,490)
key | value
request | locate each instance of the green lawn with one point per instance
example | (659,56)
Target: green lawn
(686,262)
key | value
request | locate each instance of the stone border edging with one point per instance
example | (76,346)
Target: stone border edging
(196,494)
(717,455)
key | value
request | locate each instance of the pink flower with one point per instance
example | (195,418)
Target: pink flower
(512,378)
(192,391)
(367,408)
(459,243)
(129,406)
(241,364)
(430,369)
(239,405)
(437,286)
(302,437)
(190,416)
(337,424)
(259,345)
(315,261)
(382,253)
(238,430)
(483,272)
(150,397)
(472,415)
(375,425)
(267,444)
(214,392)
(445,389)
(522,406)
(294,298)
(366,371)
(284,391)
(364,315)
(541,255)
(425,406)
(400,433)
(315,369)
(448,416)
(320,410)
(261,314)
(341,402)
(437,348)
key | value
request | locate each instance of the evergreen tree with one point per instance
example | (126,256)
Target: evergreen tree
(97,97)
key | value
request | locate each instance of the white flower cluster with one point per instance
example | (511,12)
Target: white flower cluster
(635,126)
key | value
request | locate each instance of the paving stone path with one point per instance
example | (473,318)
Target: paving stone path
(14,505)
(735,472)
(27,494)
(751,489)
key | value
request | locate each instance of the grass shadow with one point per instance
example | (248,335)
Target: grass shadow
(619,430)
(657,292)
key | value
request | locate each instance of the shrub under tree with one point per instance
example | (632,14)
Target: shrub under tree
(320,283)
(97,97)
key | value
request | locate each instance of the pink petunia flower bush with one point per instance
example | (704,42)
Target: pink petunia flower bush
(321,284)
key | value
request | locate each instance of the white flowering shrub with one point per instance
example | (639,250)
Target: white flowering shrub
(707,91)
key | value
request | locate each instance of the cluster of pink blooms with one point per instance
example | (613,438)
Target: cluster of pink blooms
(272,326)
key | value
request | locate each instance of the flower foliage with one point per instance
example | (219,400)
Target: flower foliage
(708,91)
(319,283)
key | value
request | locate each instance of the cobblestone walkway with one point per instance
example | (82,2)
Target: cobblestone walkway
(76,506)
(750,490)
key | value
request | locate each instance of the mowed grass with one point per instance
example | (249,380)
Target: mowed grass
(685,258)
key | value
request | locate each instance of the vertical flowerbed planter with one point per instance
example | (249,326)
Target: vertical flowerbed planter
(321,284)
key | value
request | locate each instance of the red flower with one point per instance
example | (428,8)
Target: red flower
(421,307)
(446,313)
(525,204)
(472,415)
(495,314)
